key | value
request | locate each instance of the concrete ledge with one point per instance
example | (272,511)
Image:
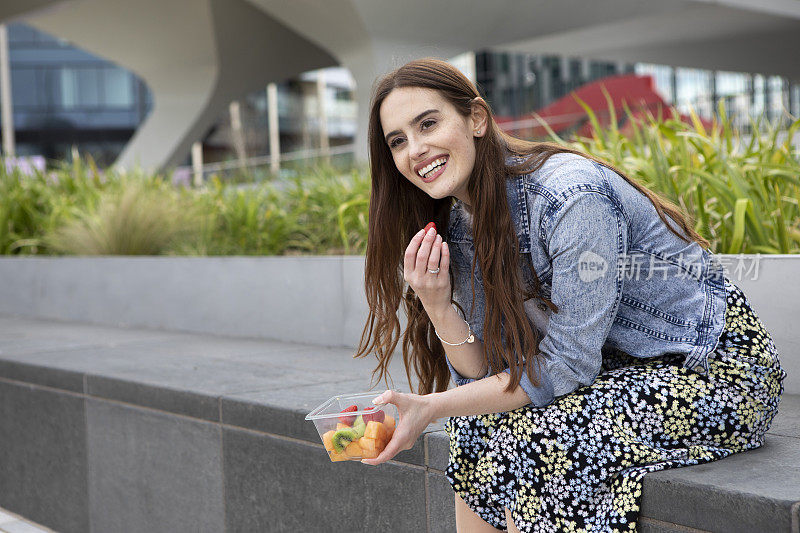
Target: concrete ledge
(134,430)
(261,297)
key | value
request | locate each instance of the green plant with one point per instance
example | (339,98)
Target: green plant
(136,217)
(744,194)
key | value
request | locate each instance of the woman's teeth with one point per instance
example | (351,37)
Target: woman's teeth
(427,170)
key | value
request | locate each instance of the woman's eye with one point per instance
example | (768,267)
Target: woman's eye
(395,142)
(427,123)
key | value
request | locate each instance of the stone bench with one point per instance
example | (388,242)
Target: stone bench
(113,430)
(181,408)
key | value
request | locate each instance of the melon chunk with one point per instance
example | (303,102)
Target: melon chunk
(338,456)
(389,423)
(375,430)
(353,450)
(327,440)
(368,444)
(371,448)
(369,454)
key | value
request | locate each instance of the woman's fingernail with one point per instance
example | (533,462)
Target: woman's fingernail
(431,231)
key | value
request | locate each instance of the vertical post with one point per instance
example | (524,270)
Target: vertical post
(713,89)
(674,85)
(545,78)
(322,116)
(197,163)
(6,109)
(236,131)
(274,140)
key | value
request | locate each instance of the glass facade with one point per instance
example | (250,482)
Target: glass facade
(516,84)
(745,96)
(65,97)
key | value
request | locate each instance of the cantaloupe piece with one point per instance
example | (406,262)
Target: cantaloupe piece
(368,444)
(338,456)
(327,440)
(375,430)
(339,426)
(353,450)
(369,454)
(389,423)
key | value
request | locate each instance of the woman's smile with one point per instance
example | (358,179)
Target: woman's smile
(430,170)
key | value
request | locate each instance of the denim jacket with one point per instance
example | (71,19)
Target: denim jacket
(621,280)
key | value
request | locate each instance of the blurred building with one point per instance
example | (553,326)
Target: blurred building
(516,84)
(65,97)
(298,117)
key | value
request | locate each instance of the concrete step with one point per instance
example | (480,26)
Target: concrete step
(128,430)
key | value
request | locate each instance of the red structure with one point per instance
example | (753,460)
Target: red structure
(566,115)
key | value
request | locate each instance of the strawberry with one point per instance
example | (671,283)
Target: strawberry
(348,419)
(429,226)
(377,416)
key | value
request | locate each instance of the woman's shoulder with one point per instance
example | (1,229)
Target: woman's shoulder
(563,175)
(566,170)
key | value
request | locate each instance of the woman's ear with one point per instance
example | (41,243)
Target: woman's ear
(479,117)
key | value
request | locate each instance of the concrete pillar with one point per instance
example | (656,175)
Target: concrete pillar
(274,138)
(194,69)
(235,112)
(322,118)
(6,106)
(197,163)
(794,99)
(586,70)
(545,81)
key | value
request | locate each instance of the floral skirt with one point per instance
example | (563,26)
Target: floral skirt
(578,463)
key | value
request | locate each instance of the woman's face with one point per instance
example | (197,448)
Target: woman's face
(432,144)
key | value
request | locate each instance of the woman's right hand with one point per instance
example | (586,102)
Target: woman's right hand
(427,251)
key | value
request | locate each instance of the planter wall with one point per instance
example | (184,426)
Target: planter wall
(316,300)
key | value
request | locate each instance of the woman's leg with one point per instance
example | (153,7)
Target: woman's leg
(510,522)
(467,521)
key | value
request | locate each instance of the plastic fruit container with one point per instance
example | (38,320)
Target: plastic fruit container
(352,428)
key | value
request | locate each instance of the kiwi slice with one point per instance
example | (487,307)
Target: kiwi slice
(342,438)
(360,427)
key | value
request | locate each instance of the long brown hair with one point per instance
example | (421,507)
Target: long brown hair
(398,209)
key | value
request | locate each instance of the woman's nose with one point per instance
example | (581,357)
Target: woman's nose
(417,148)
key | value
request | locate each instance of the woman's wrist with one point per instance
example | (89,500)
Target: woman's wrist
(480,397)
(435,406)
(438,314)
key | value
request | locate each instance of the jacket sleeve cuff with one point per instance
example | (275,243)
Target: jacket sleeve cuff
(458,379)
(540,396)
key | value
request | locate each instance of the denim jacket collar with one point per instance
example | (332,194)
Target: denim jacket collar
(460,226)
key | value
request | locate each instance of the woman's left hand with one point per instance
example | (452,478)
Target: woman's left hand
(415,411)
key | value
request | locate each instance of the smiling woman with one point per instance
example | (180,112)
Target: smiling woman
(557,414)
(434,149)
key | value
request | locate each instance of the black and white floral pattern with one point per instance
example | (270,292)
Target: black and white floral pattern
(577,464)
